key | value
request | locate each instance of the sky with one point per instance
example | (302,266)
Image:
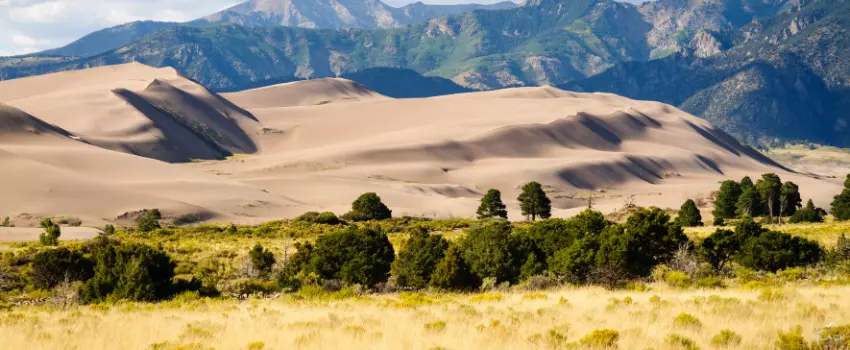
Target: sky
(28,26)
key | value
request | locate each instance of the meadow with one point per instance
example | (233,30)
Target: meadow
(659,318)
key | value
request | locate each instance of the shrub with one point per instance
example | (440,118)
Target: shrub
(689,214)
(262,260)
(719,248)
(51,233)
(150,221)
(368,207)
(709,282)
(687,321)
(6,222)
(576,262)
(452,272)
(531,267)
(54,266)
(129,271)
(488,250)
(792,340)
(601,338)
(534,203)
(418,258)
(807,214)
(109,229)
(295,266)
(327,218)
(356,256)
(681,342)
(773,251)
(678,279)
(492,206)
(651,239)
(841,203)
(726,339)
(245,286)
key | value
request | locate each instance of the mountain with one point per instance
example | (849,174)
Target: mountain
(783,78)
(544,42)
(404,83)
(299,13)
(109,39)
(337,13)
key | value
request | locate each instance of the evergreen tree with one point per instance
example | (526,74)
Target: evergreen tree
(368,207)
(531,267)
(842,247)
(789,199)
(489,251)
(262,259)
(841,203)
(746,183)
(418,258)
(150,221)
(452,272)
(727,199)
(809,213)
(689,214)
(51,233)
(719,248)
(534,202)
(354,255)
(749,204)
(770,189)
(492,206)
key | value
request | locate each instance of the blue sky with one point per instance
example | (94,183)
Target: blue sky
(33,25)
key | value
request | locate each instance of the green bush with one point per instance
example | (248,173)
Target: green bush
(109,229)
(685,320)
(650,238)
(773,251)
(326,218)
(51,233)
(129,271)
(531,267)
(678,279)
(792,340)
(726,200)
(841,203)
(54,266)
(807,214)
(719,248)
(726,339)
(689,214)
(245,286)
(418,258)
(709,282)
(681,342)
(262,260)
(488,250)
(356,256)
(368,207)
(295,266)
(150,221)
(601,338)
(452,272)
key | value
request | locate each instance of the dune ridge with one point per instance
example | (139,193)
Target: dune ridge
(316,145)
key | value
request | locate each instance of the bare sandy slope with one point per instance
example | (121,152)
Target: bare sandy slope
(45,172)
(136,109)
(319,144)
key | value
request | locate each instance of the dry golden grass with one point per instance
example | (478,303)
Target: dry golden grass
(825,233)
(512,320)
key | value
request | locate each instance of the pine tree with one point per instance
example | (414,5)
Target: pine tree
(770,188)
(749,204)
(492,206)
(746,183)
(727,198)
(51,233)
(809,213)
(789,199)
(368,207)
(534,202)
(841,202)
(689,214)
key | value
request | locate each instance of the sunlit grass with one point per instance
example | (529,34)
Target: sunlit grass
(661,318)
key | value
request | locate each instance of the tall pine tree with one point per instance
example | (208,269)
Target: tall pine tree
(841,202)
(727,199)
(492,206)
(534,203)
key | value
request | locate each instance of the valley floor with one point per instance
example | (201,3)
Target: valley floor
(513,320)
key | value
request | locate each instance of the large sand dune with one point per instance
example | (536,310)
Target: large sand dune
(318,144)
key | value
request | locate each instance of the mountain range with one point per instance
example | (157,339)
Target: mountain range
(766,71)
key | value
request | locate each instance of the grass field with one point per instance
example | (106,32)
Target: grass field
(659,318)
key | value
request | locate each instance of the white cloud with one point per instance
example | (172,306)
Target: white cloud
(44,12)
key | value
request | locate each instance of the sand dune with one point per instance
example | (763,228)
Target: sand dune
(132,108)
(304,93)
(318,144)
